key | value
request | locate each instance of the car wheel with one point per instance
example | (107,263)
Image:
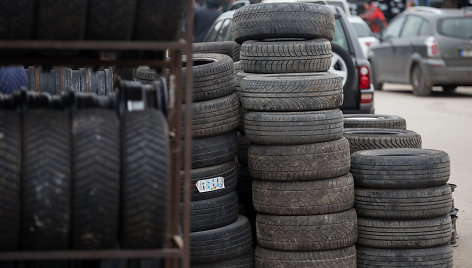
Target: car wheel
(342,64)
(449,89)
(420,87)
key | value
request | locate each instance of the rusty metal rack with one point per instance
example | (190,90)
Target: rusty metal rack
(177,251)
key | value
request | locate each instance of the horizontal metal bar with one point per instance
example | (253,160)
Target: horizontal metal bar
(92,254)
(83,62)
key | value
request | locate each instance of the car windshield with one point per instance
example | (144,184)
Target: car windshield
(362,29)
(456,27)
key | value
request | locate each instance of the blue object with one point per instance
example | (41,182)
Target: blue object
(12,79)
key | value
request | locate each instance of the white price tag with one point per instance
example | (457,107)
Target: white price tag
(209,185)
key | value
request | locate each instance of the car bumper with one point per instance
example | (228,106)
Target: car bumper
(437,73)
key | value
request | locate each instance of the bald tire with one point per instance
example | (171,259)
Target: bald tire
(111,19)
(299,162)
(400,168)
(436,257)
(361,139)
(303,198)
(374,121)
(244,261)
(288,128)
(422,233)
(10,178)
(337,258)
(291,92)
(214,213)
(286,56)
(214,150)
(283,20)
(403,203)
(214,117)
(222,243)
(46,185)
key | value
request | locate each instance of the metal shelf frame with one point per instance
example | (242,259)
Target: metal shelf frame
(177,251)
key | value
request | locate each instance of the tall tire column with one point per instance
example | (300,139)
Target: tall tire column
(219,237)
(302,191)
(403,202)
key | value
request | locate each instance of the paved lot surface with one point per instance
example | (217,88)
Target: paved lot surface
(445,123)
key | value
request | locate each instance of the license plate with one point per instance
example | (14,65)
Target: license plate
(466,53)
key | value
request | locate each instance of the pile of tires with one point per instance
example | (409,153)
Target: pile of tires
(403,202)
(454,218)
(219,236)
(299,161)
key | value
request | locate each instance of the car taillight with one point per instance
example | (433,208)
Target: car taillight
(364,76)
(432,47)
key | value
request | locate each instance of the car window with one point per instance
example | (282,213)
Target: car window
(340,36)
(393,30)
(425,29)
(223,32)
(412,26)
(362,29)
(213,32)
(456,27)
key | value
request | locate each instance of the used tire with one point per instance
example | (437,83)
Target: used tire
(236,52)
(214,150)
(145,155)
(286,56)
(46,194)
(283,20)
(222,243)
(214,117)
(303,198)
(337,258)
(214,213)
(293,127)
(361,139)
(245,260)
(110,19)
(213,76)
(374,121)
(10,178)
(307,233)
(400,168)
(403,234)
(436,257)
(146,74)
(291,92)
(220,47)
(96,184)
(299,162)
(403,203)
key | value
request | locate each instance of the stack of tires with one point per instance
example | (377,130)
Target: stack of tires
(219,237)
(403,202)
(454,218)
(298,157)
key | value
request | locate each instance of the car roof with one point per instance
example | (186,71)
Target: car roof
(293,1)
(432,12)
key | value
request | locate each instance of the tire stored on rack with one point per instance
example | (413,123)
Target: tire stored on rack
(145,156)
(96,184)
(10,179)
(46,195)
(110,19)
(214,213)
(245,260)
(214,150)
(283,20)
(220,47)
(374,121)
(286,56)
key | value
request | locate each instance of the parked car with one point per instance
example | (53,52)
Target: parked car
(365,36)
(348,59)
(425,47)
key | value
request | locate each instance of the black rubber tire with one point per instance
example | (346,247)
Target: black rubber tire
(350,67)
(96,179)
(245,187)
(237,69)
(283,20)
(437,257)
(17,19)
(273,57)
(214,150)
(222,243)
(10,179)
(158,20)
(400,168)
(213,76)
(420,86)
(374,121)
(293,127)
(303,198)
(214,117)
(299,162)
(228,170)
(214,213)
(291,92)
(46,193)
(361,139)
(244,261)
(110,19)
(220,47)
(337,258)
(146,74)
(236,52)
(403,234)
(307,233)
(61,19)
(145,160)
(403,203)
(244,144)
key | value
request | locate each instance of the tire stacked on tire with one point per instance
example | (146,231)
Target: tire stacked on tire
(403,202)
(298,159)
(219,237)
(454,218)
